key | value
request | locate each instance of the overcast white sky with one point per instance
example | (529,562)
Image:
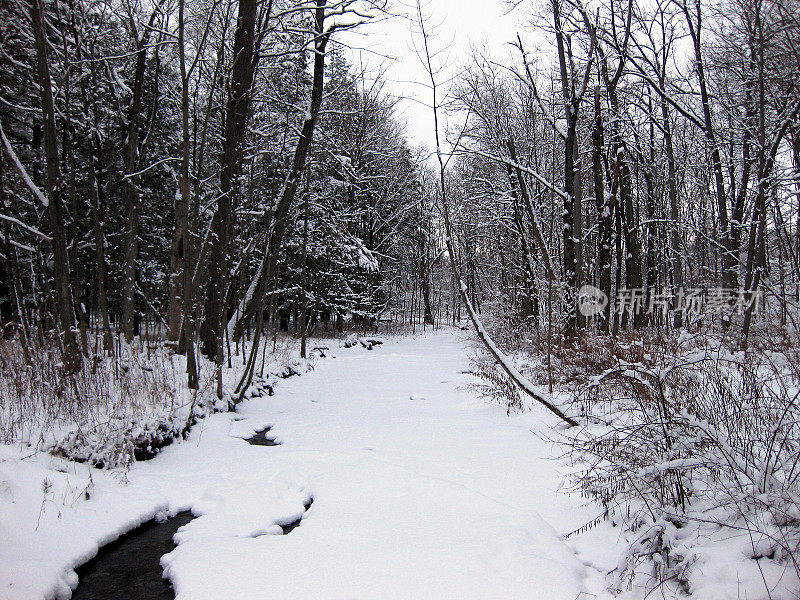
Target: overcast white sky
(388,44)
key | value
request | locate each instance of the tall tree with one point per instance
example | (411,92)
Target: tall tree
(245,61)
(132,177)
(61,274)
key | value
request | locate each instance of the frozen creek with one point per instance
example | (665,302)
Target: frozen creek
(420,489)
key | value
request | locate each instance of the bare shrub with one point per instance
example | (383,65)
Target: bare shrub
(110,412)
(689,440)
(493,383)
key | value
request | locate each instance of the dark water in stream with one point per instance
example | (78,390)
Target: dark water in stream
(260,439)
(289,527)
(129,568)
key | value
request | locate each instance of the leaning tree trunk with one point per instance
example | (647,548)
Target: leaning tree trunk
(519,380)
(255,295)
(254,301)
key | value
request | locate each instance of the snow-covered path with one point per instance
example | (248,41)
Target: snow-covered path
(420,488)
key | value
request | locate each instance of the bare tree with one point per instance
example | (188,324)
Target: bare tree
(141,41)
(245,61)
(450,241)
(61,274)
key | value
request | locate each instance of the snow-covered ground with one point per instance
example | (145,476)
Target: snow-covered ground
(421,489)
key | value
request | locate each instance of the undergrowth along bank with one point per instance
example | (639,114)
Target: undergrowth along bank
(127,408)
(690,448)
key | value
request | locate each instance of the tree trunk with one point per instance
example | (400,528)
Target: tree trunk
(424,279)
(729,277)
(256,291)
(529,294)
(573,182)
(93,170)
(128,320)
(633,249)
(570,246)
(61,276)
(651,229)
(674,214)
(796,160)
(605,211)
(178,249)
(304,309)
(238,108)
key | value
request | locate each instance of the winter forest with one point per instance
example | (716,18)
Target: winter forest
(551,350)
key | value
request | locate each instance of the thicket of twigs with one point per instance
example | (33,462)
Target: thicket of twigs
(118,408)
(695,435)
(691,448)
(114,410)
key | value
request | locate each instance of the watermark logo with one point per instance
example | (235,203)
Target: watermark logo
(591,300)
(691,301)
